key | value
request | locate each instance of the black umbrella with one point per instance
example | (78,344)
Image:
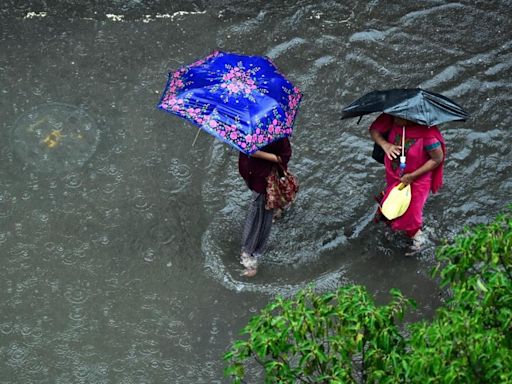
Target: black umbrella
(414,104)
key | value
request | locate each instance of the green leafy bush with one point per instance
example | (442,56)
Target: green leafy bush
(343,337)
(470,339)
(317,339)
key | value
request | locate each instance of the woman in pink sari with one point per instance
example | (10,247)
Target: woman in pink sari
(425,151)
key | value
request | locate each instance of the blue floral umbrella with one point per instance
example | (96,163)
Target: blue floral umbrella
(241,100)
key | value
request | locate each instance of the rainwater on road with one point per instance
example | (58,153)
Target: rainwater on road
(119,239)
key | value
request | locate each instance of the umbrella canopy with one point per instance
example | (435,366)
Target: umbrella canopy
(415,104)
(241,100)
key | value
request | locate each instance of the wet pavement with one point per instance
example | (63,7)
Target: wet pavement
(119,238)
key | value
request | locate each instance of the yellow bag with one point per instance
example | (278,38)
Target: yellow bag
(397,201)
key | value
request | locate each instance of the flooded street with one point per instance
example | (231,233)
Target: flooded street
(119,238)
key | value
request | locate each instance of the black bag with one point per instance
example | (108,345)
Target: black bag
(378,153)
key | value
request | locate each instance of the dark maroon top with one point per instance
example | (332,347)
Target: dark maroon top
(254,170)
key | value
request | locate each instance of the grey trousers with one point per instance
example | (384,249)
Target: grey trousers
(257,226)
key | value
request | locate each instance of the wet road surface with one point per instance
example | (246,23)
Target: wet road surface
(119,238)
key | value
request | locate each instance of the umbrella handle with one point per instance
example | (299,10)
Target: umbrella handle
(402,158)
(197,135)
(403,141)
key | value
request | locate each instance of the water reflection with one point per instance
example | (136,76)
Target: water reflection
(54,137)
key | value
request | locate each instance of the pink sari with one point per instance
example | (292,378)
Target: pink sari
(419,140)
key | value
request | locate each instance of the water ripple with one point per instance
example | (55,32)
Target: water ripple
(16,355)
(7,203)
(76,295)
(213,250)
(141,203)
(6,328)
(73,181)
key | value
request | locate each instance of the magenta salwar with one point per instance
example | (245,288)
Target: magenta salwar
(419,140)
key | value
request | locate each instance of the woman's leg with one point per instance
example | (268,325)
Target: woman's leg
(412,220)
(256,230)
(267,217)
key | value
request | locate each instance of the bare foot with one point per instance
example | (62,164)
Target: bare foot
(249,272)
(419,241)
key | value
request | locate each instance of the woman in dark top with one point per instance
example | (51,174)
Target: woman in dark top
(254,169)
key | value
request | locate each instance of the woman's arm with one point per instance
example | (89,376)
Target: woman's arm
(436,157)
(266,156)
(391,150)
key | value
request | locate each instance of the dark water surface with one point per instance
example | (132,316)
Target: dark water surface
(119,239)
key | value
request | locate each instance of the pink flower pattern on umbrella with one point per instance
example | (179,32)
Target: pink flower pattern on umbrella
(239,81)
(233,83)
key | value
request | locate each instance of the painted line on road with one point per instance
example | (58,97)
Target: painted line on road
(121,18)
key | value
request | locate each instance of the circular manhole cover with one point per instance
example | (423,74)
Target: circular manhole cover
(55,137)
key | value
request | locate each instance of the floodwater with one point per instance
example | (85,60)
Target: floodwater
(119,238)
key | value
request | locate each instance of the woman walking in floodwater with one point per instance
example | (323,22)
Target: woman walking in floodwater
(254,169)
(424,150)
